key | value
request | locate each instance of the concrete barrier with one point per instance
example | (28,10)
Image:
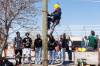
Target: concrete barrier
(91,57)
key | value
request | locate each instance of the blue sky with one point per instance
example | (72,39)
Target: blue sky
(78,11)
(75,12)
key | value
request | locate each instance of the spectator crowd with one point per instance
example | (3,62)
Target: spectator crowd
(56,48)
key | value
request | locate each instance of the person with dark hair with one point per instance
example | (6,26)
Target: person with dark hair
(92,41)
(38,49)
(27,42)
(51,48)
(57,52)
(18,46)
(65,47)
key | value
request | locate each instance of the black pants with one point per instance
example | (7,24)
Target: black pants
(54,20)
(49,22)
(69,54)
(20,53)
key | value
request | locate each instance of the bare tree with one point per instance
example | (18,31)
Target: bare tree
(13,11)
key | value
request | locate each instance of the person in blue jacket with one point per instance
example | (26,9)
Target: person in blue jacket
(56,16)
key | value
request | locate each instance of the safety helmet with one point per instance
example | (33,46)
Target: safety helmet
(56,6)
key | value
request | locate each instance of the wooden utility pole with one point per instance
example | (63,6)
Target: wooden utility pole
(44,32)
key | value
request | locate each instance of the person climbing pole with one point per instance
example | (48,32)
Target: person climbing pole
(49,21)
(55,17)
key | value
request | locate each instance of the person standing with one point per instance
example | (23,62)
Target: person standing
(65,47)
(97,40)
(38,49)
(92,41)
(63,42)
(18,46)
(51,48)
(27,42)
(70,49)
(82,43)
(86,41)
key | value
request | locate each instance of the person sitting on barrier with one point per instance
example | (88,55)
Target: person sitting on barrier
(56,16)
(38,49)
(18,46)
(57,54)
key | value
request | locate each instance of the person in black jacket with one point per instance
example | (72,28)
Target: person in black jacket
(65,47)
(38,49)
(27,41)
(51,48)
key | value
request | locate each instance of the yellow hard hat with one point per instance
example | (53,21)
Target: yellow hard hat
(56,6)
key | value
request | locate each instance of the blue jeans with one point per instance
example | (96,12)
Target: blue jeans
(38,55)
(62,55)
(57,55)
(52,56)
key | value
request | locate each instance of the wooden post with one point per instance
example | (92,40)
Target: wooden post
(44,32)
